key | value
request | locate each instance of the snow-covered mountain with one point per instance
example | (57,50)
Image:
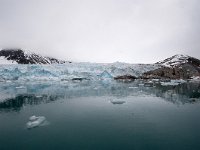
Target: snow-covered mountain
(178,60)
(18,56)
(176,67)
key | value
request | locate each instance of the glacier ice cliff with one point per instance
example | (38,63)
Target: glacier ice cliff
(67,72)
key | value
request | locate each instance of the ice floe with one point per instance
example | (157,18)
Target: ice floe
(173,82)
(20,87)
(132,87)
(195,79)
(35,121)
(38,96)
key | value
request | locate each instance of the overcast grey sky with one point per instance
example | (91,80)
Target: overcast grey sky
(135,31)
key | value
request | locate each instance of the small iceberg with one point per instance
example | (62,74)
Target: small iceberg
(149,84)
(195,79)
(38,96)
(35,121)
(132,87)
(20,87)
(117,102)
(169,83)
(156,80)
(173,82)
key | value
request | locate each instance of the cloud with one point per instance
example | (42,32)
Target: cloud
(136,31)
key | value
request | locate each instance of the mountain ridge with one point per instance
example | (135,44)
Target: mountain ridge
(179,59)
(175,67)
(19,56)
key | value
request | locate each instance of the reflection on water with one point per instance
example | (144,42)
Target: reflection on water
(19,101)
(99,115)
(14,98)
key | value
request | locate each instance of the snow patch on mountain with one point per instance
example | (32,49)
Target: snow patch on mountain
(19,56)
(174,60)
(3,60)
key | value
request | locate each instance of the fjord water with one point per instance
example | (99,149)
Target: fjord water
(81,116)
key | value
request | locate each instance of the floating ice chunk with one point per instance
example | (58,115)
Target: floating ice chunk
(169,83)
(179,81)
(195,79)
(20,87)
(38,96)
(155,80)
(35,121)
(173,82)
(133,87)
(117,102)
(148,84)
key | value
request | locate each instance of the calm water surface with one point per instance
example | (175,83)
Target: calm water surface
(81,116)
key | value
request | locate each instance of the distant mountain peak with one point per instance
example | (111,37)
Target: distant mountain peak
(176,67)
(19,56)
(176,60)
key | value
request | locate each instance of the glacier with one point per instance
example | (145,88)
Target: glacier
(70,71)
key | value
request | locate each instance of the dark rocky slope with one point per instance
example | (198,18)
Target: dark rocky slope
(176,67)
(21,57)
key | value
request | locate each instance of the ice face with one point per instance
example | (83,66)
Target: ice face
(90,71)
(105,75)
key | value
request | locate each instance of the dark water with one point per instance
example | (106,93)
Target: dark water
(82,116)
